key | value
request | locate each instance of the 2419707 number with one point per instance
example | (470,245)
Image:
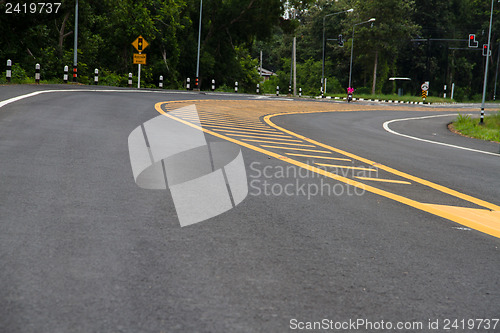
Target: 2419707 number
(32,8)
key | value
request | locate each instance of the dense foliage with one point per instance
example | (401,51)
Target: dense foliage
(235,31)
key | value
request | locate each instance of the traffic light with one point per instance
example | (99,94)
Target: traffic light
(485,50)
(340,40)
(472,41)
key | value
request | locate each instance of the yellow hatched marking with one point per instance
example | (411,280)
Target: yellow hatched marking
(231,122)
(223,117)
(345,167)
(215,119)
(259,137)
(480,219)
(324,157)
(303,149)
(218,117)
(385,180)
(221,120)
(264,137)
(282,143)
(243,128)
(243,132)
(234,124)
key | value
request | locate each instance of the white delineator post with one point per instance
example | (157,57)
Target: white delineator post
(65,76)
(8,73)
(37,73)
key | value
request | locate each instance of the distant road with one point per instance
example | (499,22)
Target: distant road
(343,221)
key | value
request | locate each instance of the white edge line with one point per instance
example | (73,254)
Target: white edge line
(17,98)
(385,125)
(387,128)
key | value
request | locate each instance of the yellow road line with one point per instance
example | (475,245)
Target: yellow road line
(384,180)
(256,136)
(212,118)
(220,121)
(279,143)
(243,128)
(324,157)
(345,167)
(415,179)
(225,117)
(266,138)
(204,120)
(261,126)
(268,135)
(302,149)
(491,226)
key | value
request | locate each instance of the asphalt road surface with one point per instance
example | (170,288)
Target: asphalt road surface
(84,249)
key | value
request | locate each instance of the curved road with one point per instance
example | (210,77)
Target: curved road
(84,249)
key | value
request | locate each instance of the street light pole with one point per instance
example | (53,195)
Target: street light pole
(352,47)
(323,66)
(198,57)
(481,122)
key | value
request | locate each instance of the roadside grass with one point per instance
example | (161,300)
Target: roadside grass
(468,126)
(405,98)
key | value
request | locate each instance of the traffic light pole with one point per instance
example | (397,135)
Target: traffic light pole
(481,122)
(75,46)
(198,57)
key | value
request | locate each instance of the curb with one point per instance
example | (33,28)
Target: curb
(386,101)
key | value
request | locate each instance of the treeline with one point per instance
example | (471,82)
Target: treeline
(423,40)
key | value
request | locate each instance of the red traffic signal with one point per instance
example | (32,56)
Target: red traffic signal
(472,41)
(485,50)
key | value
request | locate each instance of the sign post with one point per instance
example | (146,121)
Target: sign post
(140,59)
(425,87)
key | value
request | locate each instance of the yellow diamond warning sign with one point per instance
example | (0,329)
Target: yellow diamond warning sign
(139,59)
(140,44)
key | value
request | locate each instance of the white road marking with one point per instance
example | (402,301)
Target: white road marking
(17,98)
(387,128)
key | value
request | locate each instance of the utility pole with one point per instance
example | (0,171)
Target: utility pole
(294,66)
(260,70)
